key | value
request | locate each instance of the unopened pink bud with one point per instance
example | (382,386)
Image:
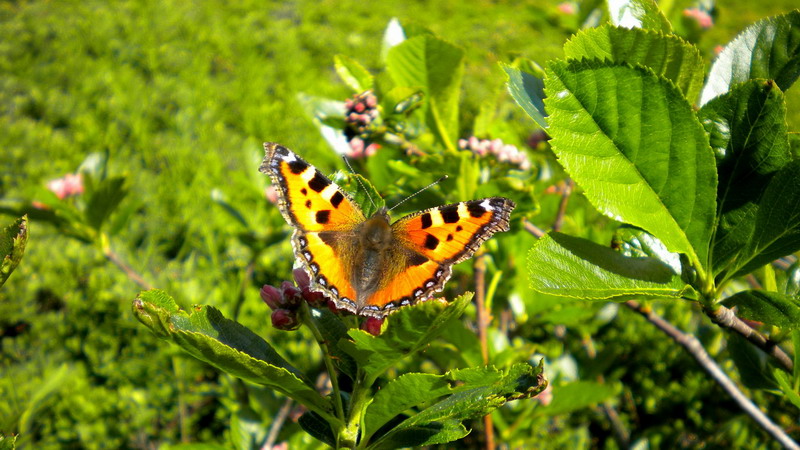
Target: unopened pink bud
(359,107)
(496,145)
(301,278)
(291,295)
(372,325)
(271,296)
(371,101)
(474,143)
(462,144)
(284,319)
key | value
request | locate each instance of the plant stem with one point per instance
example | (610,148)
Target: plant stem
(305,312)
(114,258)
(693,346)
(562,206)
(358,403)
(277,423)
(726,318)
(483,322)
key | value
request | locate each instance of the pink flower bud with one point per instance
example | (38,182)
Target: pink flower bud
(462,144)
(372,325)
(567,8)
(371,149)
(271,296)
(291,295)
(66,186)
(371,101)
(348,104)
(359,107)
(313,298)
(701,17)
(283,319)
(333,308)
(301,278)
(356,147)
(474,143)
(496,145)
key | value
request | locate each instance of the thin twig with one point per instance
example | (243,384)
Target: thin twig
(532,229)
(693,346)
(483,321)
(132,274)
(562,206)
(726,318)
(277,423)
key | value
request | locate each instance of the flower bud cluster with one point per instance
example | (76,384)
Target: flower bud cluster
(700,16)
(286,301)
(503,152)
(66,186)
(361,111)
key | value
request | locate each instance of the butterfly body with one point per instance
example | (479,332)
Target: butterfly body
(371,266)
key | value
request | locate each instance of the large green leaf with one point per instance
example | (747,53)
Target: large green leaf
(638,14)
(634,144)
(436,67)
(777,227)
(667,55)
(768,49)
(353,73)
(13,240)
(772,308)
(748,133)
(409,330)
(568,266)
(227,345)
(104,199)
(412,389)
(528,91)
(578,395)
(439,422)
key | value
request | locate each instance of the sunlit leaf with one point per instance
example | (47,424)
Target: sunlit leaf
(638,14)
(771,308)
(13,240)
(353,73)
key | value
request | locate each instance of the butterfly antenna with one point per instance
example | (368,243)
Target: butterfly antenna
(347,161)
(444,177)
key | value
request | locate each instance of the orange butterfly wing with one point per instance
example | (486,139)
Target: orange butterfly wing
(314,205)
(437,238)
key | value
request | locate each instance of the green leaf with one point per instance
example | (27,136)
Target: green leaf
(437,423)
(528,91)
(638,14)
(636,243)
(316,426)
(777,227)
(8,442)
(634,144)
(333,330)
(772,308)
(409,330)
(573,267)
(768,49)
(436,67)
(392,36)
(104,199)
(748,133)
(13,240)
(362,191)
(750,362)
(667,55)
(353,74)
(577,395)
(785,383)
(53,383)
(413,389)
(325,112)
(246,429)
(226,345)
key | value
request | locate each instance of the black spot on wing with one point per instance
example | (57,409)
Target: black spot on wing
(475,209)
(431,242)
(323,216)
(308,204)
(304,191)
(426,220)
(449,237)
(319,182)
(449,214)
(337,199)
(297,166)
(458,228)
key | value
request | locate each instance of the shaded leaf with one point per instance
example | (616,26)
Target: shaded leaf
(227,345)
(577,395)
(408,331)
(104,199)
(573,267)
(13,240)
(666,55)
(634,144)
(638,14)
(316,426)
(528,91)
(772,308)
(785,383)
(748,133)
(333,330)
(353,74)
(750,362)
(438,423)
(768,49)
(52,384)
(436,67)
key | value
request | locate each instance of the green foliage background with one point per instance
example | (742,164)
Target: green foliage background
(180,95)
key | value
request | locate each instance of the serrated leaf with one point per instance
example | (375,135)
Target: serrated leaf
(226,345)
(772,308)
(633,143)
(392,36)
(436,424)
(528,91)
(436,67)
(639,243)
(568,266)
(748,133)
(13,240)
(408,331)
(777,227)
(333,330)
(413,389)
(353,74)
(104,199)
(667,55)
(638,14)
(362,191)
(577,395)
(768,49)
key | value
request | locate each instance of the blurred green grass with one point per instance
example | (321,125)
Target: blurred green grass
(181,95)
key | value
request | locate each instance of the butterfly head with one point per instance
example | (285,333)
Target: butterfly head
(376,231)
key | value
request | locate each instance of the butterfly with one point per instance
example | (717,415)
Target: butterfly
(371,266)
